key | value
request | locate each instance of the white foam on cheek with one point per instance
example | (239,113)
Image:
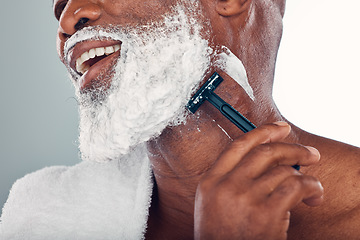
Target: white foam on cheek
(158,70)
(233,66)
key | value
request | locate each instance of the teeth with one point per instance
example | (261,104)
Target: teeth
(85,56)
(92,53)
(100,51)
(109,50)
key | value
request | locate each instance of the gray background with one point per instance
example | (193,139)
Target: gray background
(38,124)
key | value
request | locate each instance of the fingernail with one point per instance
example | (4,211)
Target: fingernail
(314,151)
(281,123)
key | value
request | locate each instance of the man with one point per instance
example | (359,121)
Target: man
(134,66)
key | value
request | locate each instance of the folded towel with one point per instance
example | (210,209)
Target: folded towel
(87,201)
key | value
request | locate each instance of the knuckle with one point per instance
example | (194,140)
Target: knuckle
(265,132)
(285,170)
(262,132)
(303,184)
(296,183)
(291,184)
(266,150)
(311,181)
(260,135)
(238,146)
(217,192)
(269,129)
(239,143)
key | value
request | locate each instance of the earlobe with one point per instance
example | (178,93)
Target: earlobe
(228,8)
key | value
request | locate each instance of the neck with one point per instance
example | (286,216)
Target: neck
(171,212)
(181,154)
(179,157)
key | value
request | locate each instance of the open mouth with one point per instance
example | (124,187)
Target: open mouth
(93,61)
(92,56)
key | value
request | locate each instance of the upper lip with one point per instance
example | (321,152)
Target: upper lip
(80,48)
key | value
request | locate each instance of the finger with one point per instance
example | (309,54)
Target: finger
(268,182)
(267,156)
(241,146)
(295,189)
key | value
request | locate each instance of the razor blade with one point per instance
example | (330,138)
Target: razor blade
(206,92)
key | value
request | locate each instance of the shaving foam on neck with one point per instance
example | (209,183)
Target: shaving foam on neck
(232,66)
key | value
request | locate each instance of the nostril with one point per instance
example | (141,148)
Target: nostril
(80,24)
(66,36)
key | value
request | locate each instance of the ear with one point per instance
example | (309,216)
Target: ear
(228,8)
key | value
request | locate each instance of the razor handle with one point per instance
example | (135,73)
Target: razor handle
(229,112)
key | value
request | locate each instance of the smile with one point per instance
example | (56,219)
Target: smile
(89,58)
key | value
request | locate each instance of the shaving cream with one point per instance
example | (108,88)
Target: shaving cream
(232,65)
(159,69)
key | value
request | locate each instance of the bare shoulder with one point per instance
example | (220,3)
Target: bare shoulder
(339,216)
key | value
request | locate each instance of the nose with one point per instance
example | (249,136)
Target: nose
(77,14)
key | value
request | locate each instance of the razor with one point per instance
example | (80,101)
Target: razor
(206,92)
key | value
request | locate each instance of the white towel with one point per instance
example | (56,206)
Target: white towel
(87,201)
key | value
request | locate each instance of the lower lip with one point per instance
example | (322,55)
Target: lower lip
(89,79)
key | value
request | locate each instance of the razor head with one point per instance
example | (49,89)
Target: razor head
(201,95)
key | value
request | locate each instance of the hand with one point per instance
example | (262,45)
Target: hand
(251,188)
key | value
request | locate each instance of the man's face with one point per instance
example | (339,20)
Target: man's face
(134,65)
(75,14)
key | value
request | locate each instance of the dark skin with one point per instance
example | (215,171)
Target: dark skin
(211,187)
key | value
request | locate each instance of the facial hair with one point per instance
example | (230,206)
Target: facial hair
(159,68)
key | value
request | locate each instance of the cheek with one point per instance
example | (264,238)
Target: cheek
(136,11)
